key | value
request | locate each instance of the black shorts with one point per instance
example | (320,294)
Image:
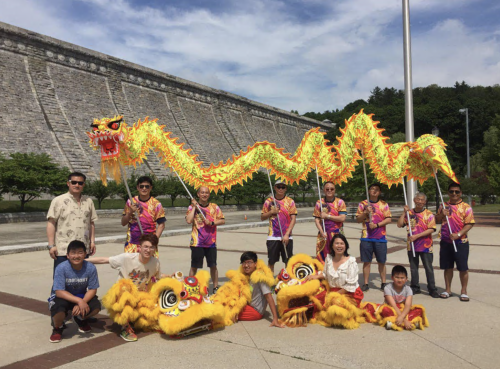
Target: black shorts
(198,253)
(448,257)
(62,305)
(275,248)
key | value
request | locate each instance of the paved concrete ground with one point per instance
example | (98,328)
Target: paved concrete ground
(461,335)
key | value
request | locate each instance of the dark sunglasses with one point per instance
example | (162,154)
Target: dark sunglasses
(329,189)
(77,183)
(147,187)
(456,192)
(281,187)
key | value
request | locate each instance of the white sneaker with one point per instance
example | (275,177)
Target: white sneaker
(388,325)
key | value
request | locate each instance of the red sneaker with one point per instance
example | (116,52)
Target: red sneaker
(83,325)
(56,335)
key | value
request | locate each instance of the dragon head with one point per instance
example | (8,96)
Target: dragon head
(298,300)
(107,134)
(184,304)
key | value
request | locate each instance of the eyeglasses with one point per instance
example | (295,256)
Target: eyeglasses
(329,189)
(79,183)
(152,248)
(147,187)
(456,192)
(248,263)
(281,187)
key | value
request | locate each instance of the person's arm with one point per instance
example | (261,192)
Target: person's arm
(363,213)
(404,313)
(319,225)
(51,236)
(130,209)
(268,211)
(159,229)
(92,239)
(463,231)
(425,233)
(101,260)
(293,220)
(402,219)
(441,214)
(191,212)
(272,306)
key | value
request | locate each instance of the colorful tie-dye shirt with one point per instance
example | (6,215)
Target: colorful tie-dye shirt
(204,235)
(287,209)
(151,212)
(334,208)
(420,222)
(460,215)
(380,212)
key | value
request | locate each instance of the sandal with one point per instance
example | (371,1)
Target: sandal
(444,295)
(464,297)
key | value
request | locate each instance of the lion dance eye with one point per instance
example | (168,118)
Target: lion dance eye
(168,299)
(303,271)
(114,125)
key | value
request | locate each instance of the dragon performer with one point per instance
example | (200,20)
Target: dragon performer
(120,144)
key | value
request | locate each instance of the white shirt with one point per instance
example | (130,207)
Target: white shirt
(346,276)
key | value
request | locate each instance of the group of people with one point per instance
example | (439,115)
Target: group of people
(71,241)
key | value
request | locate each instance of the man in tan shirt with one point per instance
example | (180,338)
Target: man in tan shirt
(71,217)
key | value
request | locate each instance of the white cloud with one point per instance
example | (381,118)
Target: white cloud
(261,50)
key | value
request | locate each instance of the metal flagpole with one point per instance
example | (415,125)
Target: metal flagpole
(276,206)
(187,190)
(124,176)
(408,218)
(409,123)
(442,202)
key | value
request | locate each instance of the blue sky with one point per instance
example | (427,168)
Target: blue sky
(306,55)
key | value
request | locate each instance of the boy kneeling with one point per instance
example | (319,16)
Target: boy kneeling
(142,268)
(75,286)
(397,312)
(261,294)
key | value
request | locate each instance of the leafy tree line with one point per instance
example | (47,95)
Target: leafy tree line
(439,107)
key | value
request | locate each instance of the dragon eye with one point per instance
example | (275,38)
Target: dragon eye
(168,299)
(303,271)
(95,128)
(114,125)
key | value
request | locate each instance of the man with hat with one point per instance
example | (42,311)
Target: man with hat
(282,213)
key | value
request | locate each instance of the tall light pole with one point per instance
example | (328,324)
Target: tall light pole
(435,132)
(410,135)
(466,111)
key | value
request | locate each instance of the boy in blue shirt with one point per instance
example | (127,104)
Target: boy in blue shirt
(75,286)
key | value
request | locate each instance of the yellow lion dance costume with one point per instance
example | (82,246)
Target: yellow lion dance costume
(300,301)
(175,306)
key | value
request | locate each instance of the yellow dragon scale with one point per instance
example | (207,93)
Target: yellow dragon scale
(389,163)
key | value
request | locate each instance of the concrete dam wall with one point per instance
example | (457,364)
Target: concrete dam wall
(50,92)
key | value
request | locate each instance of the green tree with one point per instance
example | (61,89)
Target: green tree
(28,175)
(99,191)
(174,188)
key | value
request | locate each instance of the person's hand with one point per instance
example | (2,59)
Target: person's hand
(274,210)
(133,207)
(323,235)
(83,307)
(372,225)
(406,208)
(92,249)
(407,324)
(286,238)
(454,236)
(207,222)
(276,323)
(445,212)
(53,252)
(325,215)
(399,320)
(194,203)
(413,238)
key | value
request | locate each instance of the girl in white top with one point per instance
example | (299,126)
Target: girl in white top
(341,270)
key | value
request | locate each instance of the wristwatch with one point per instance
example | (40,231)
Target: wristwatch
(459,235)
(50,246)
(213,223)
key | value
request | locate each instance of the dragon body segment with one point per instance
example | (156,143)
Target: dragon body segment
(120,144)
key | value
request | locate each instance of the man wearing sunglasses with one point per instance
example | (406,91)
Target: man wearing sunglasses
(71,216)
(148,210)
(461,220)
(286,210)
